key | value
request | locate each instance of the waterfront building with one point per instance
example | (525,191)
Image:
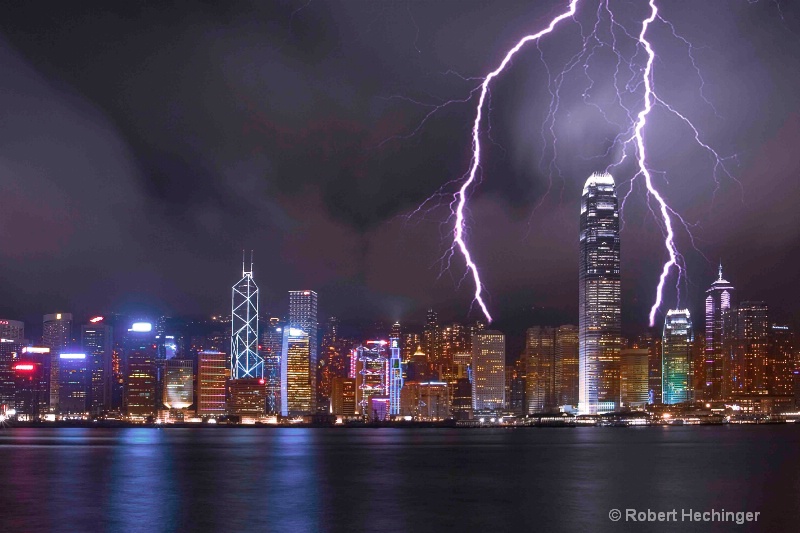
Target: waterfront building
(540,355)
(567,368)
(599,305)
(296,379)
(10,351)
(488,371)
(74,383)
(32,384)
(97,341)
(213,371)
(248,397)
(303,316)
(749,349)
(395,375)
(676,357)
(271,347)
(426,401)
(12,330)
(56,335)
(372,374)
(140,370)
(178,383)
(343,396)
(634,383)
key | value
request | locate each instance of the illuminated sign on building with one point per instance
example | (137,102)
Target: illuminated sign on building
(72,356)
(141,327)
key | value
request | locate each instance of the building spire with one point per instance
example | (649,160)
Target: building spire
(720,270)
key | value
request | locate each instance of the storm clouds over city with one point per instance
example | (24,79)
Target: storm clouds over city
(143,146)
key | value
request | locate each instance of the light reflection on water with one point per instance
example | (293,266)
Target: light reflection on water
(297,479)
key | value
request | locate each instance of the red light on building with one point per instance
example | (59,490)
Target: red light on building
(96,319)
(24,368)
(261,381)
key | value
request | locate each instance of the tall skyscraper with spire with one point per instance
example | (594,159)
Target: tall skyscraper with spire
(719,298)
(599,306)
(676,357)
(245,360)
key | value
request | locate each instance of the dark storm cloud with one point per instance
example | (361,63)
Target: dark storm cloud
(144,145)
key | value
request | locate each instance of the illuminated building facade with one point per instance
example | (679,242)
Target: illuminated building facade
(213,370)
(10,351)
(567,368)
(599,325)
(178,392)
(140,370)
(343,396)
(271,347)
(372,374)
(13,330)
(782,360)
(540,351)
(426,401)
(395,375)
(97,341)
(245,360)
(56,335)
(32,385)
(73,384)
(296,388)
(248,397)
(462,399)
(634,383)
(719,300)
(303,316)
(488,371)
(750,346)
(676,359)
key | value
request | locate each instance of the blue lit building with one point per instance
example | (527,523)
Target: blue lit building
(395,376)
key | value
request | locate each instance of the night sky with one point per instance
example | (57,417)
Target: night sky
(143,145)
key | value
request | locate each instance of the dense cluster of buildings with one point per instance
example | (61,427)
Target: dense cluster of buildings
(248,367)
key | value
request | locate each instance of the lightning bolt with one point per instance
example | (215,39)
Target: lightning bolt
(460,197)
(631,138)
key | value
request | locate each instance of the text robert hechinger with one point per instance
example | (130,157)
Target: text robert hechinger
(684,515)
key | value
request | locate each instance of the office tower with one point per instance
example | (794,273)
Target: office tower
(410,341)
(245,360)
(97,341)
(431,336)
(634,383)
(396,331)
(473,329)
(303,316)
(540,351)
(12,330)
(749,334)
(462,399)
(655,364)
(567,373)
(140,370)
(32,383)
(516,376)
(599,305)
(271,347)
(56,335)
(719,300)
(488,371)
(248,397)
(343,396)
(213,370)
(10,351)
(372,374)
(395,375)
(676,360)
(296,387)
(74,383)
(781,360)
(426,401)
(178,383)
(420,368)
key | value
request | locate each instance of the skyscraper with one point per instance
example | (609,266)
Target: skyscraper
(178,390)
(718,301)
(676,360)
(488,371)
(540,351)
(56,334)
(567,368)
(303,316)
(74,383)
(750,349)
(296,389)
(599,304)
(98,344)
(431,336)
(633,377)
(212,374)
(245,360)
(395,374)
(271,347)
(140,370)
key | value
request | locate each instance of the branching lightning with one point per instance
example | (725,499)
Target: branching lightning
(635,97)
